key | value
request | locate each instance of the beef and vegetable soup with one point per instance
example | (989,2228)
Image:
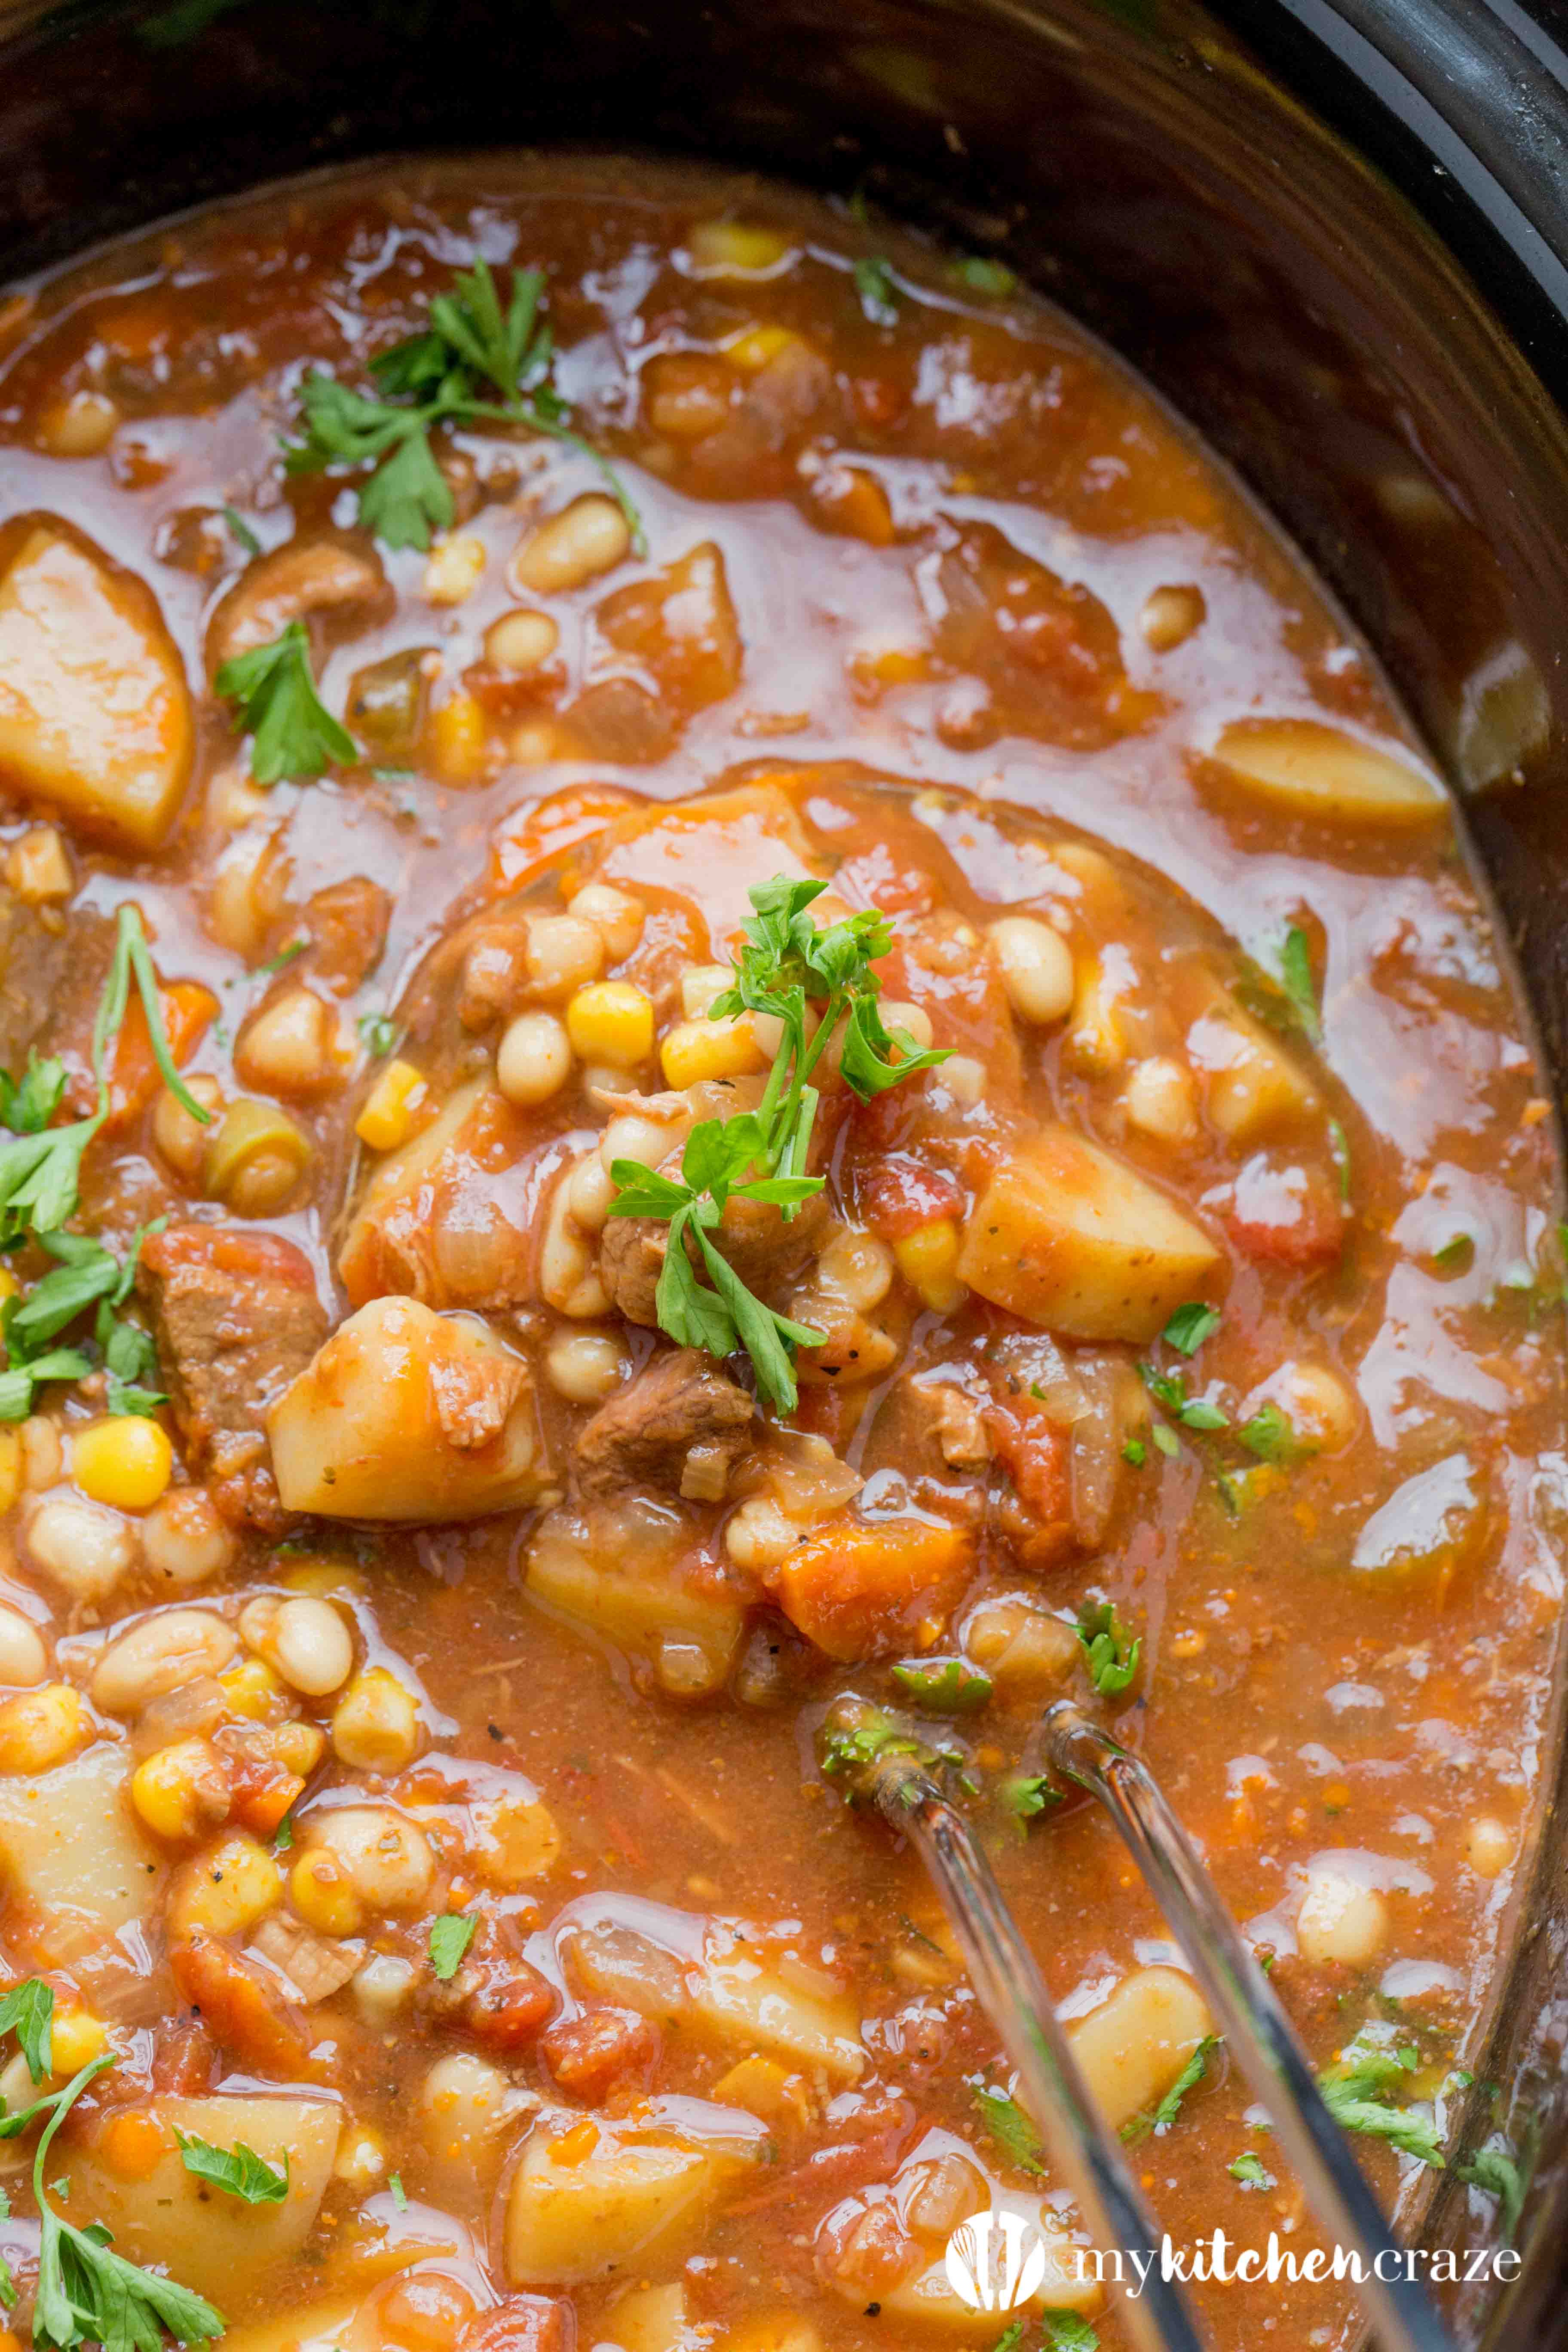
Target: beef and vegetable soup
(733,1032)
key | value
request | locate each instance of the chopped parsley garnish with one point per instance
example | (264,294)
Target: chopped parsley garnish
(1160,2117)
(1010,2128)
(1501,2175)
(1270,1435)
(1109,1654)
(1296,979)
(944,1686)
(1027,1795)
(1456,1255)
(292,731)
(1357,2091)
(238,2169)
(1068,2331)
(399,2194)
(879,295)
(1251,2171)
(983,275)
(378,1033)
(1169,1390)
(1190,1326)
(451,1936)
(242,532)
(473,363)
(847,1748)
(787,969)
(1165,1441)
(86,2294)
(40,1174)
(1135,1452)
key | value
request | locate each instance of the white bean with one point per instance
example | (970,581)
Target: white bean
(568,1273)
(1170,616)
(386,1860)
(647,1140)
(1339,1919)
(381,1986)
(304,1639)
(454,570)
(590,536)
(160,1654)
(1488,1847)
(520,641)
(534,1060)
(183,1539)
(1162,1099)
(1318,1404)
(586,1367)
(590,1189)
(1036,968)
(615,914)
(83,1547)
(24,1660)
(564,952)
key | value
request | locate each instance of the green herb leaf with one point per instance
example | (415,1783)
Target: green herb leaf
(1010,2128)
(292,731)
(879,295)
(1456,1254)
(1190,1326)
(1165,1441)
(409,499)
(378,1034)
(1169,1391)
(451,1936)
(1029,1794)
(1296,979)
(399,2194)
(1357,2090)
(242,532)
(1161,2117)
(1499,2172)
(1012,2336)
(1068,2331)
(27,2010)
(238,2171)
(28,1107)
(1109,1654)
(1250,2171)
(944,1686)
(1270,1435)
(1135,1452)
(983,275)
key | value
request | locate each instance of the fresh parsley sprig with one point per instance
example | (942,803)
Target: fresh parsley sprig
(475,363)
(238,2171)
(1358,2091)
(273,690)
(1110,1653)
(1160,2117)
(788,969)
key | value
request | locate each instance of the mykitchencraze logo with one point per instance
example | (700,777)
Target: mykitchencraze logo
(999,2262)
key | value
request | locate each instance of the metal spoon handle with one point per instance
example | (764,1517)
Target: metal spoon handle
(1253,2022)
(1003,1971)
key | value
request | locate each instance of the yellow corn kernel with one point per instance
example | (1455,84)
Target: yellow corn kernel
(388,1114)
(730,249)
(125,1462)
(323,1894)
(611,1021)
(39,1729)
(711,1049)
(11,1463)
(225,1891)
(300,1747)
(458,739)
(753,349)
(9,1285)
(76,2039)
(251,1690)
(166,1789)
(928,1260)
(376,1726)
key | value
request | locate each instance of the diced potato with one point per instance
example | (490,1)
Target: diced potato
(861,1589)
(783,2334)
(1316,771)
(590,2199)
(650,2320)
(930,2295)
(409,1415)
(631,1592)
(94,713)
(1134,2046)
(752,2006)
(70,1850)
(1250,1084)
(207,2239)
(1070,1238)
(329,2325)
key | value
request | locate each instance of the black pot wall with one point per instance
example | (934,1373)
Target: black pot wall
(1191,203)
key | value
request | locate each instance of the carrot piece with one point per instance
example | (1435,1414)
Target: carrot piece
(243,2011)
(134,2145)
(187,1009)
(859,1590)
(539,832)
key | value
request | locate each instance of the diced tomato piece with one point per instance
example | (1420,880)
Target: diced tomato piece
(1286,1216)
(589,2055)
(897,1194)
(507,2009)
(1037,1453)
(243,2011)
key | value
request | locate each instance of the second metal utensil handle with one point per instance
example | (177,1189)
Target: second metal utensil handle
(1252,2020)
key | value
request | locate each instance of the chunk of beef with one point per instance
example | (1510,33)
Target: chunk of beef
(236,1317)
(767,1254)
(590,2055)
(679,1425)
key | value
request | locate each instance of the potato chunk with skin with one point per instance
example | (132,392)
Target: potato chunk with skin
(94,712)
(409,1415)
(214,2244)
(749,2003)
(1134,2046)
(624,1588)
(71,1851)
(639,2191)
(1070,1238)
